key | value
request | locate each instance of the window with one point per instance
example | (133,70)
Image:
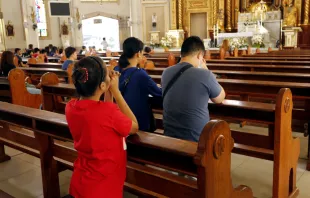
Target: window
(41,18)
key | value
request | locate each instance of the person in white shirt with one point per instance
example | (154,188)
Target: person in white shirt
(104,44)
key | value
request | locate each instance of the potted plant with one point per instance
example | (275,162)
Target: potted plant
(258,41)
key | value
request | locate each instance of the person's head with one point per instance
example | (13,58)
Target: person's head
(18,51)
(90,77)
(132,52)
(54,49)
(30,46)
(61,50)
(193,50)
(36,50)
(103,38)
(7,58)
(43,51)
(94,47)
(50,46)
(47,49)
(147,50)
(71,53)
(83,47)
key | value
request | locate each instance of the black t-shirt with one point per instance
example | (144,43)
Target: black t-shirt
(6,68)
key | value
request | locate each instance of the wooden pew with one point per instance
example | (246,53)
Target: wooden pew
(209,160)
(13,89)
(46,65)
(265,62)
(270,58)
(249,144)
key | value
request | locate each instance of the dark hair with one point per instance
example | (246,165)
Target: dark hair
(6,58)
(88,74)
(131,46)
(83,47)
(47,49)
(43,51)
(30,46)
(103,38)
(50,46)
(192,45)
(61,50)
(16,50)
(54,49)
(36,50)
(147,49)
(69,51)
(94,47)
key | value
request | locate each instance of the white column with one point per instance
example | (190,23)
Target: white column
(136,18)
(31,35)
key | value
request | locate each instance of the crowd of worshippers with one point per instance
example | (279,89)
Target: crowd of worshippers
(99,128)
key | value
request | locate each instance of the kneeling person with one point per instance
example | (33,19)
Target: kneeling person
(187,88)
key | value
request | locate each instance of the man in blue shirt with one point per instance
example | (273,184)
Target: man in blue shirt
(186,102)
(71,57)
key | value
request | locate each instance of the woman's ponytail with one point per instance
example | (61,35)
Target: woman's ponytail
(123,61)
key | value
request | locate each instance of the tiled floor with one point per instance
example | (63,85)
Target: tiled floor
(20,177)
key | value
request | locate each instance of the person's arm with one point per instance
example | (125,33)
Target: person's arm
(153,88)
(216,91)
(122,103)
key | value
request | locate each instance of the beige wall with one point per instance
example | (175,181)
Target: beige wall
(12,11)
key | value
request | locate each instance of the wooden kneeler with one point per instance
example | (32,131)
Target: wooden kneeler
(286,148)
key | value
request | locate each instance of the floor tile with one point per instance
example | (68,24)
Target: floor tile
(237,160)
(303,184)
(11,152)
(29,183)
(14,167)
(29,158)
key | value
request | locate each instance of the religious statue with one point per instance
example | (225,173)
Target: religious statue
(154,21)
(9,29)
(290,14)
(64,29)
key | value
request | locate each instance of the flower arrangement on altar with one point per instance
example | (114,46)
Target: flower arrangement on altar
(166,42)
(240,42)
(258,41)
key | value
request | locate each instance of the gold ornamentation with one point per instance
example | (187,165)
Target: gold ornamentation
(220,20)
(214,12)
(77,15)
(228,12)
(33,15)
(64,29)
(173,14)
(290,15)
(180,15)
(306,12)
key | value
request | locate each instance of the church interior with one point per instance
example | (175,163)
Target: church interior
(253,143)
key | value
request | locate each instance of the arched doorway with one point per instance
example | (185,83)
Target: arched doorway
(98,27)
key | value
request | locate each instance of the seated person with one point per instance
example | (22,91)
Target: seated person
(7,65)
(136,85)
(44,53)
(147,51)
(83,50)
(29,51)
(99,129)
(61,52)
(54,52)
(71,57)
(186,102)
(36,52)
(18,54)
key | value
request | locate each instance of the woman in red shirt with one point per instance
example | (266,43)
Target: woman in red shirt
(99,130)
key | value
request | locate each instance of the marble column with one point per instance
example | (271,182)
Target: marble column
(306,12)
(228,15)
(31,35)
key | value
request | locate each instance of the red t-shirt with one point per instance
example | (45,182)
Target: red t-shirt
(98,130)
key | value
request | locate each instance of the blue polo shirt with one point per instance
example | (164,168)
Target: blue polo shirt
(137,92)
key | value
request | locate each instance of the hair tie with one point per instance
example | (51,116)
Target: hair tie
(86,75)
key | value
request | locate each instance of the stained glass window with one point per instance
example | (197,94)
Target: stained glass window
(41,18)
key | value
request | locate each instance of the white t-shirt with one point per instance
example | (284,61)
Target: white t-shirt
(104,44)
